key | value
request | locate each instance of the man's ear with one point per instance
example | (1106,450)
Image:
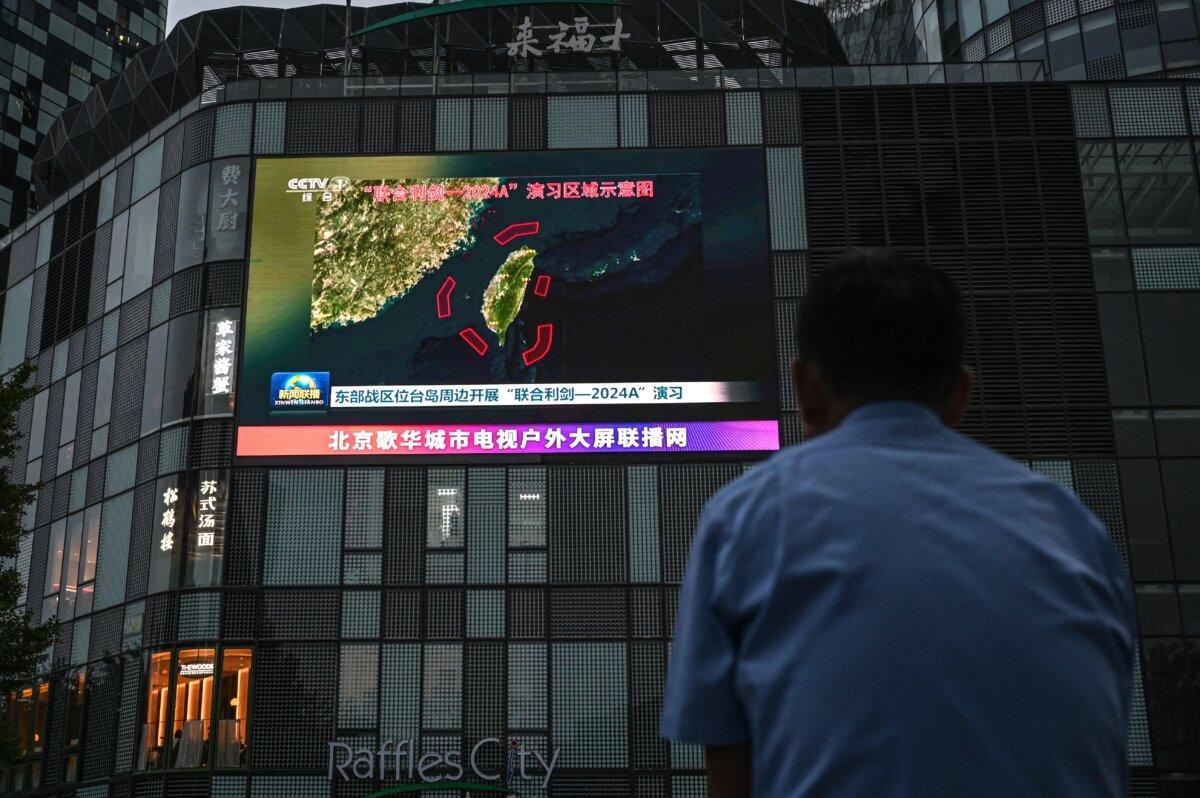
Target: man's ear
(960,399)
(817,408)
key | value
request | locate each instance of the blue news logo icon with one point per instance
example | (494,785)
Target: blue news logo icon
(299,390)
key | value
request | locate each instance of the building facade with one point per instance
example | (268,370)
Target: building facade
(51,55)
(237,624)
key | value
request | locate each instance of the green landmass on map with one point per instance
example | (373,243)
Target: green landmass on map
(368,254)
(503,297)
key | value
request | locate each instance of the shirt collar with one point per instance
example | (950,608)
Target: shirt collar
(909,413)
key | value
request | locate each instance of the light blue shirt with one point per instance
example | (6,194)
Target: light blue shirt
(894,610)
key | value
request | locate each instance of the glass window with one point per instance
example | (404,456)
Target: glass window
(25,716)
(1141,50)
(58,539)
(87,565)
(1100,36)
(233,708)
(158,701)
(183,694)
(1066,51)
(190,738)
(228,205)
(1176,19)
(1159,187)
(139,256)
(995,9)
(193,205)
(1101,194)
(70,577)
(73,730)
(70,411)
(179,374)
(972,18)
(152,390)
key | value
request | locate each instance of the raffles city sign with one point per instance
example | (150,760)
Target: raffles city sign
(400,760)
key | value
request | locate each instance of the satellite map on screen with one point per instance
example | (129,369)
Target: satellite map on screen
(534,302)
(499,276)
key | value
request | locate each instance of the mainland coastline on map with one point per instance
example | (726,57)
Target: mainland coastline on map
(368,254)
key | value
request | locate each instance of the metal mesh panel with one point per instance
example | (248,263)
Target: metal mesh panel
(635,132)
(785,192)
(283,619)
(400,691)
(587,524)
(379,126)
(199,616)
(588,612)
(1147,110)
(441,686)
(685,489)
(268,127)
(293,689)
(404,525)
(485,525)
(584,121)
(453,131)
(308,502)
(526,613)
(415,130)
(147,170)
(693,119)
(197,140)
(322,126)
(358,690)
(527,123)
(1091,111)
(527,685)
(360,614)
(644,558)
(402,614)
(233,130)
(590,704)
(489,126)
(1166,268)
(364,508)
(743,114)
(113,551)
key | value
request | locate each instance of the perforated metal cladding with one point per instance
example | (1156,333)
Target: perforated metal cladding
(584,121)
(233,130)
(164,241)
(589,707)
(415,123)
(224,284)
(310,500)
(197,139)
(1147,110)
(269,123)
(999,199)
(186,291)
(690,119)
(103,702)
(280,620)
(743,114)
(379,126)
(1166,268)
(404,526)
(489,123)
(294,689)
(128,386)
(579,612)
(483,703)
(685,489)
(587,524)
(527,123)
(326,127)
(453,131)
(159,627)
(212,443)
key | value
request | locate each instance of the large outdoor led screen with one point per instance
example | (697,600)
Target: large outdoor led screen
(535,303)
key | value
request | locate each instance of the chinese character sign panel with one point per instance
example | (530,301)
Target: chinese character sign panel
(542,303)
